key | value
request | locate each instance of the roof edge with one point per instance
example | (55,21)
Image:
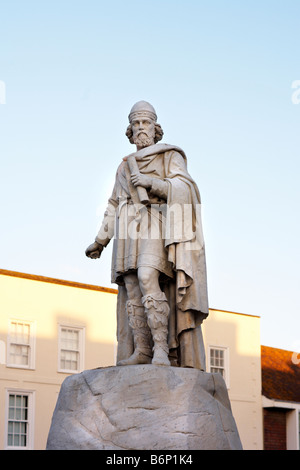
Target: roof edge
(62,282)
(276,403)
(234,313)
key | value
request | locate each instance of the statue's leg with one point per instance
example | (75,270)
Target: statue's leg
(157,309)
(138,322)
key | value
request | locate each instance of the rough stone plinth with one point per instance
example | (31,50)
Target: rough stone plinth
(143,407)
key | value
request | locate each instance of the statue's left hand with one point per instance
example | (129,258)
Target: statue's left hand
(141,180)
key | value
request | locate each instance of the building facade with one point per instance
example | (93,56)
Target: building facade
(281,398)
(50,328)
(232,342)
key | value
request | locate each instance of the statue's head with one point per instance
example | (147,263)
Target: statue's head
(143,129)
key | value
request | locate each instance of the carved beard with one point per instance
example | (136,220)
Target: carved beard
(143,140)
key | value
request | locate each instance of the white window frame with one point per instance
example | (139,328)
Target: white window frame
(30,418)
(293,427)
(225,349)
(31,344)
(81,348)
(292,420)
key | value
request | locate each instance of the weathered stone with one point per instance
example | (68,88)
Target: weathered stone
(158,254)
(143,407)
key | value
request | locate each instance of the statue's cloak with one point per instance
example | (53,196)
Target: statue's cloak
(186,288)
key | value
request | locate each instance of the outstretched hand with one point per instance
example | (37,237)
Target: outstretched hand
(94,250)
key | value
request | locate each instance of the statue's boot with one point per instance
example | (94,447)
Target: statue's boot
(158,310)
(141,336)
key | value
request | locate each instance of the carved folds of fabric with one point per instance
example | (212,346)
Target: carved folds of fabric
(157,308)
(138,322)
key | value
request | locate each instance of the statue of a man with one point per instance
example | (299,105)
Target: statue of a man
(158,258)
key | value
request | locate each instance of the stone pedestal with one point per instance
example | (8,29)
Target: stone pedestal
(143,407)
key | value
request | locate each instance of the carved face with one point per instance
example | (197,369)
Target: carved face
(143,131)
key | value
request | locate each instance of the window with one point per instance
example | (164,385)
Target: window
(218,362)
(21,344)
(71,341)
(19,422)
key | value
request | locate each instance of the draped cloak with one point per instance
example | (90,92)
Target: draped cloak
(178,252)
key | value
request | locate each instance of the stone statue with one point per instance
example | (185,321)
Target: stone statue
(158,262)
(158,258)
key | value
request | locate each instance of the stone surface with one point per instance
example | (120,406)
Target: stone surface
(143,407)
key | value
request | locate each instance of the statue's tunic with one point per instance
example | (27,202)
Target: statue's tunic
(166,236)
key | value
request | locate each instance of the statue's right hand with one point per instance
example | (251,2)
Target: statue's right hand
(94,250)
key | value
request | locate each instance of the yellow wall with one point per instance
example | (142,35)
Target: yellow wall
(47,304)
(241,335)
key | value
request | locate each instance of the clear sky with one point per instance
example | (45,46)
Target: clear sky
(220,76)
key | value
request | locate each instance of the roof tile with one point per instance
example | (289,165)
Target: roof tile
(280,374)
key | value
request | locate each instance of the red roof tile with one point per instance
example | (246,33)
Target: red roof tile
(280,374)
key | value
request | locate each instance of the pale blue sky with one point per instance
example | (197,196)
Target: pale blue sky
(220,76)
